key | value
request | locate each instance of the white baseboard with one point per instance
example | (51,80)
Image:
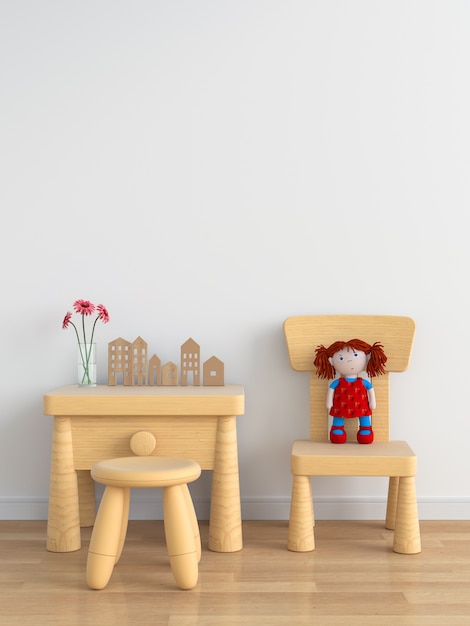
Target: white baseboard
(263,508)
(355,508)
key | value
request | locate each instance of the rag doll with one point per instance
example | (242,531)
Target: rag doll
(349,395)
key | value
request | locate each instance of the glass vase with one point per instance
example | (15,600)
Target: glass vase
(86,365)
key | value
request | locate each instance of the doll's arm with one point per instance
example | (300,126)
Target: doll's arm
(329,398)
(371,398)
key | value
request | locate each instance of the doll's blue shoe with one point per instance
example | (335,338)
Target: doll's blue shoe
(337,434)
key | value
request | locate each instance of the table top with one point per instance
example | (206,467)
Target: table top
(73,400)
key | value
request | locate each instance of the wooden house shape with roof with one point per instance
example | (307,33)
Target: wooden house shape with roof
(170,374)
(190,362)
(155,371)
(139,362)
(213,372)
(119,353)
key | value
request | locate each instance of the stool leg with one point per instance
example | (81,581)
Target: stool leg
(193,518)
(105,538)
(124,521)
(179,535)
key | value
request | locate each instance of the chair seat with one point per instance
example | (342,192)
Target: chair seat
(149,471)
(391,458)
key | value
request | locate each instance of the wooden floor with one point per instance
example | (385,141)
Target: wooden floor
(353,577)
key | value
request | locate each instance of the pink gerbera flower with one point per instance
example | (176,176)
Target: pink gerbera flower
(103,313)
(84,307)
(67,319)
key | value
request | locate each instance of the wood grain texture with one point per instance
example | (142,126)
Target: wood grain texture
(64,527)
(225,527)
(307,332)
(142,400)
(351,579)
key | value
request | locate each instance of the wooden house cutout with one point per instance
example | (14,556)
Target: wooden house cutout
(139,357)
(213,372)
(155,371)
(190,362)
(119,361)
(170,374)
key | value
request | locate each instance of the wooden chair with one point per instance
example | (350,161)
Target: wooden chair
(180,523)
(319,457)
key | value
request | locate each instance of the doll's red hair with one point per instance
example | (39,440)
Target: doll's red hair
(375,365)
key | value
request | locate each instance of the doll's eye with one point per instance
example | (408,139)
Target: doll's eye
(341,358)
(356,354)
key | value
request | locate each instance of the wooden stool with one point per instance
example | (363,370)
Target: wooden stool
(180,522)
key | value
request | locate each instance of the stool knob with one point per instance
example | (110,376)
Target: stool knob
(143,443)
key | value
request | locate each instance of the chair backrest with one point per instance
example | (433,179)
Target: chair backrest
(304,333)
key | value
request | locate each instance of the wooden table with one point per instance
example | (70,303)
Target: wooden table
(96,423)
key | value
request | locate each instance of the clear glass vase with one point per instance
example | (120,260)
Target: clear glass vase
(86,365)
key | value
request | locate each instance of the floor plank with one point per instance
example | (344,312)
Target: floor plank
(352,578)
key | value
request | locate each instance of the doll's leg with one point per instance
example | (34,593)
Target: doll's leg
(337,432)
(365,434)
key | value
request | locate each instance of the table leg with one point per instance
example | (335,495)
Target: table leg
(63,520)
(225,526)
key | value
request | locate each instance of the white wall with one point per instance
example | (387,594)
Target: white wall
(209,168)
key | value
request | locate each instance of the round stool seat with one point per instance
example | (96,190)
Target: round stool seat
(149,471)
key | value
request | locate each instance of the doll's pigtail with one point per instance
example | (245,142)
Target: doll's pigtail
(323,365)
(378,358)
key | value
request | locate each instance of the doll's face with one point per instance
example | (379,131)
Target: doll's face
(349,362)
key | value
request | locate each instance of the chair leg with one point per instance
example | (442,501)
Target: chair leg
(124,521)
(301,521)
(179,536)
(407,538)
(105,538)
(392,502)
(193,518)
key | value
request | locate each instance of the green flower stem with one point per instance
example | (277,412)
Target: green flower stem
(87,366)
(87,356)
(86,359)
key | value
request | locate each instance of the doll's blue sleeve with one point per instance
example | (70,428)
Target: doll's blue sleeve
(367,384)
